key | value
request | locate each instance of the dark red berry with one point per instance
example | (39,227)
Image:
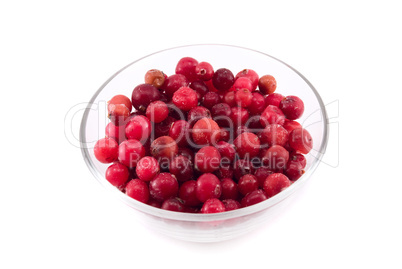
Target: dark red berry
(147,168)
(242,167)
(173,83)
(143,95)
(274,134)
(138,190)
(239,116)
(182,168)
(292,107)
(173,204)
(138,128)
(231,204)
(301,140)
(207,159)
(251,75)
(187,193)
(254,197)
(180,132)
(186,66)
(200,88)
(157,111)
(275,158)
(293,171)
(229,189)
(210,99)
(117,174)
(261,174)
(208,186)
(197,113)
(223,79)
(221,113)
(247,184)
(273,99)
(290,125)
(247,145)
(226,150)
(162,128)
(163,186)
(275,183)
(106,150)
(230,98)
(212,205)
(130,152)
(225,171)
(272,114)
(164,148)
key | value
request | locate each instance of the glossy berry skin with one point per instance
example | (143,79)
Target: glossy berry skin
(163,186)
(106,150)
(210,99)
(157,111)
(275,183)
(200,88)
(138,128)
(261,174)
(231,204)
(230,98)
(223,79)
(221,113)
(274,134)
(173,204)
(243,97)
(226,150)
(186,67)
(173,83)
(130,152)
(292,106)
(186,152)
(147,168)
(181,168)
(117,132)
(253,198)
(185,98)
(272,114)
(213,205)
(242,167)
(290,125)
(180,132)
(118,113)
(273,99)
(251,75)
(239,116)
(298,159)
(275,158)
(257,104)
(117,174)
(206,132)
(120,100)
(187,193)
(207,159)
(138,190)
(155,77)
(225,171)
(204,71)
(243,83)
(164,147)
(208,186)
(247,145)
(267,84)
(293,171)
(247,184)
(301,140)
(229,189)
(162,128)
(143,95)
(197,113)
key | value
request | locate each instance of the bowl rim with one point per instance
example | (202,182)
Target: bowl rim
(197,217)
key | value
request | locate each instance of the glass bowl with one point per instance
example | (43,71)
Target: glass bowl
(219,226)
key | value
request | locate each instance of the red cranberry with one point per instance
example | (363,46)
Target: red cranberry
(213,205)
(225,171)
(197,113)
(204,71)
(247,184)
(173,83)
(239,116)
(117,132)
(293,171)
(225,135)
(182,168)
(207,159)
(229,98)
(208,186)
(157,111)
(242,167)
(275,158)
(273,99)
(200,88)
(261,174)
(186,66)
(164,148)
(147,168)
(118,113)
(106,150)
(223,79)
(274,134)
(275,183)
(292,107)
(247,145)
(301,140)
(267,84)
(185,98)
(290,125)
(130,152)
(163,186)
(257,105)
(254,197)
(226,150)
(231,204)
(180,132)
(243,83)
(298,158)
(186,152)
(117,174)
(206,132)
(138,190)
(210,99)
(187,193)
(143,95)
(138,128)
(272,114)
(155,77)
(229,189)
(120,100)
(243,97)
(173,204)
(162,128)
(221,113)
(251,75)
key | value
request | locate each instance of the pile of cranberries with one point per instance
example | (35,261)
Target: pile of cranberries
(204,140)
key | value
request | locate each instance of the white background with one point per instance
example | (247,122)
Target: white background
(56,54)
